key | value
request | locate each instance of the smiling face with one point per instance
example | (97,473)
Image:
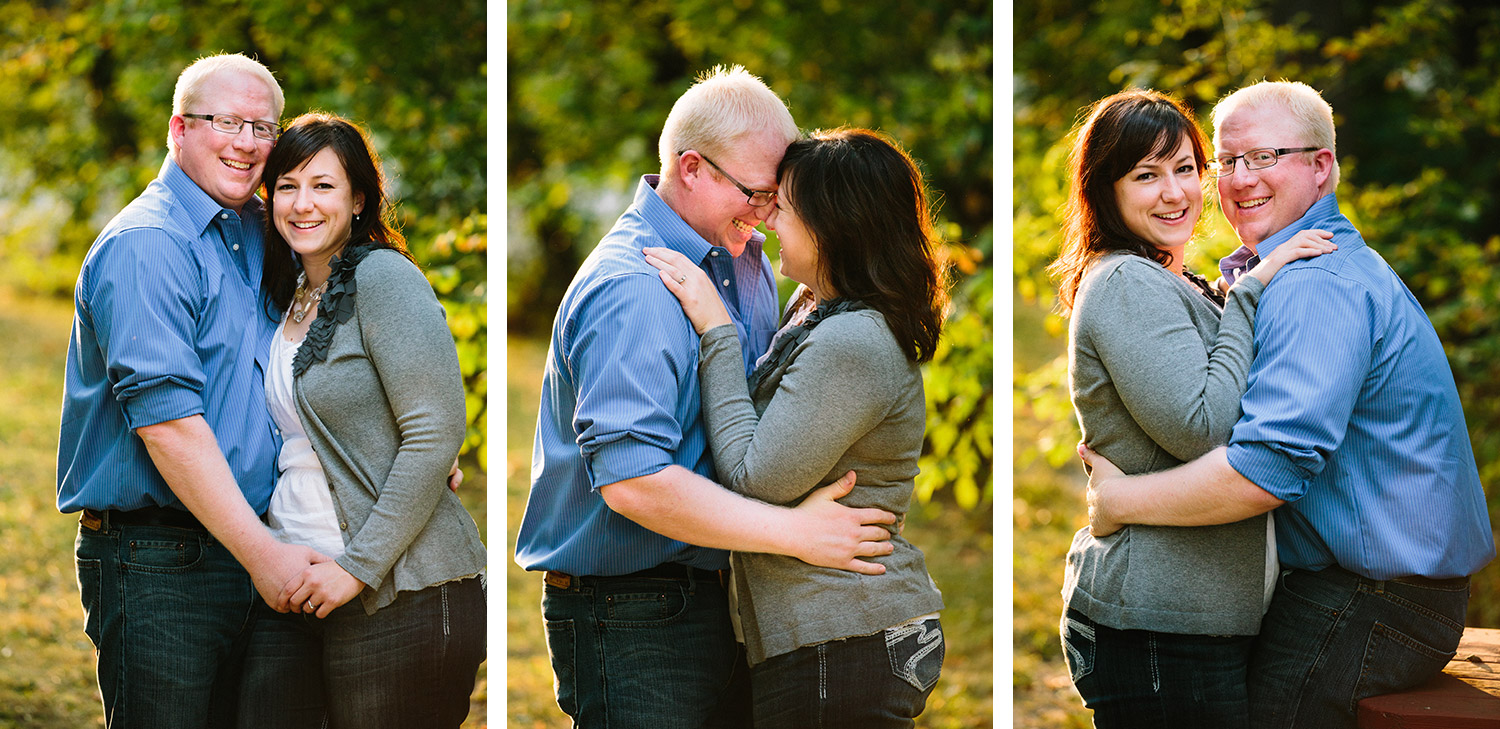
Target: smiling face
(798,260)
(313,207)
(1260,203)
(714,207)
(226,166)
(1161,198)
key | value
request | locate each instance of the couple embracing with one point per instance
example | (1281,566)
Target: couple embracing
(695,453)
(1303,509)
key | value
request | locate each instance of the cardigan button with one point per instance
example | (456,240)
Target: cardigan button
(344,525)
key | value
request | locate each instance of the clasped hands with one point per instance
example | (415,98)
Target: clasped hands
(300,579)
(295,578)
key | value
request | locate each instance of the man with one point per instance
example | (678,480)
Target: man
(622,515)
(166,447)
(1351,426)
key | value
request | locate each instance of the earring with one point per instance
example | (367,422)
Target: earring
(356,217)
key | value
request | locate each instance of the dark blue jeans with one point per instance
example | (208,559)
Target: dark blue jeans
(1332,638)
(653,652)
(411,664)
(869,682)
(169,613)
(1141,678)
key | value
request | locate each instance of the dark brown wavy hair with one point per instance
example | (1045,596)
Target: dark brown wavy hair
(1116,133)
(304,137)
(862,198)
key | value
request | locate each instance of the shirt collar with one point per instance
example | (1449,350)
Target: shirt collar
(200,208)
(1231,266)
(674,231)
(1324,215)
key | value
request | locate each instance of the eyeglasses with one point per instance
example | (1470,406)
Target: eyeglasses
(231,124)
(1255,159)
(756,198)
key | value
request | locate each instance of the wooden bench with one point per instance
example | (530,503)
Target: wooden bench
(1466,695)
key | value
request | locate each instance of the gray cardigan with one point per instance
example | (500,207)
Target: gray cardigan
(1156,377)
(846,398)
(385,413)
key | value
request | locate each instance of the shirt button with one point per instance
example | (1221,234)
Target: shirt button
(236,246)
(726,282)
(344,525)
(715,254)
(223,216)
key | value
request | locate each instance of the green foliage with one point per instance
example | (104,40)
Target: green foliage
(959,450)
(591,85)
(455,268)
(86,92)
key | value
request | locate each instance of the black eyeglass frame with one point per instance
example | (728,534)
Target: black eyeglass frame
(1218,168)
(749,193)
(240,123)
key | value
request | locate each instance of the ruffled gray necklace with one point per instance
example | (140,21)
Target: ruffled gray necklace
(787,339)
(335,308)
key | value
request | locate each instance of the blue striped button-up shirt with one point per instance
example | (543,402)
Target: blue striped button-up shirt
(620,395)
(1352,417)
(167,324)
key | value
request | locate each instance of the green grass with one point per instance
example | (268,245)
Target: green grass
(46,661)
(959,548)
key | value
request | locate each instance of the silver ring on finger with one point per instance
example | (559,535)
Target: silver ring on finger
(681,278)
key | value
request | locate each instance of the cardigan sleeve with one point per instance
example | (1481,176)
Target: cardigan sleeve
(408,342)
(1182,391)
(840,384)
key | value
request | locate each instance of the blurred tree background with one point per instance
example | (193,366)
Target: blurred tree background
(85,95)
(590,86)
(1417,112)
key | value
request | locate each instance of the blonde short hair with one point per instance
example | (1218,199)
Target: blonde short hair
(722,106)
(194,78)
(1313,115)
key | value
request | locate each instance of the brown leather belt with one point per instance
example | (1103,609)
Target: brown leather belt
(145,516)
(668,571)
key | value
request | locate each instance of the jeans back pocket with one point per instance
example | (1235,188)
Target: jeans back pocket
(916,652)
(1078,644)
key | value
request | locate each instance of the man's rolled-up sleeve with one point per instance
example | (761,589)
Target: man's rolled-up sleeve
(144,307)
(1313,352)
(629,356)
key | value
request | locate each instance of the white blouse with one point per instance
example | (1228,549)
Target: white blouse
(302,505)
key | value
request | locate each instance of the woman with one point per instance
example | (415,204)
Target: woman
(364,384)
(839,390)
(1158,622)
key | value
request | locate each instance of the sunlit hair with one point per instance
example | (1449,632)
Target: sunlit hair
(723,106)
(863,200)
(1300,102)
(1116,134)
(193,82)
(304,137)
